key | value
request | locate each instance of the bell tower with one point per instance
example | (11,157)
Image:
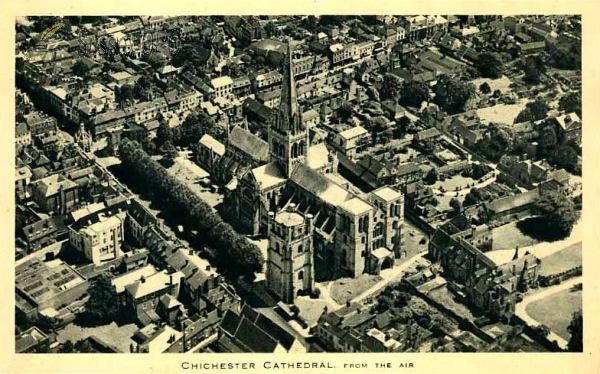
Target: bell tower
(288,137)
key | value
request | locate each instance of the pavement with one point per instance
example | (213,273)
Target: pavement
(389,276)
(522,306)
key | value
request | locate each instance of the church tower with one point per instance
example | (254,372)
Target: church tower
(290,270)
(288,138)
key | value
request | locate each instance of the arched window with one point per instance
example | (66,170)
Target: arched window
(300,248)
(294,150)
(395,225)
(277,248)
(301,275)
(378,229)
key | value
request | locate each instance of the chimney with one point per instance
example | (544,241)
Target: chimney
(291,207)
(207,267)
(514,269)
(143,279)
(516,253)
(194,271)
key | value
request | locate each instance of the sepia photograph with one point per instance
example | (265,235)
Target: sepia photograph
(298,184)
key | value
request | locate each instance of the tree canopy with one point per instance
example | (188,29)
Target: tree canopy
(452,94)
(489,65)
(557,211)
(571,102)
(575,328)
(103,304)
(497,141)
(413,94)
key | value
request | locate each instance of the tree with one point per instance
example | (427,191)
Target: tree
(564,156)
(547,141)
(485,88)
(413,94)
(497,94)
(533,111)
(571,102)
(66,347)
(156,59)
(390,89)
(234,254)
(402,126)
(533,68)
(80,69)
(83,346)
(558,212)
(431,177)
(345,111)
(452,94)
(124,93)
(103,304)
(163,134)
(271,29)
(575,328)
(169,151)
(473,197)
(455,205)
(489,65)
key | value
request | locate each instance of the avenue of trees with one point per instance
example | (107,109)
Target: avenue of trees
(235,255)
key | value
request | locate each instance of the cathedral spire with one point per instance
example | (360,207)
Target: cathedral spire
(288,106)
(288,138)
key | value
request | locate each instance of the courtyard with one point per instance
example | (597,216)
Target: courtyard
(556,311)
(191,175)
(502,83)
(345,289)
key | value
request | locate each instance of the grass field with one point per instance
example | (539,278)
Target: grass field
(556,311)
(563,260)
(509,236)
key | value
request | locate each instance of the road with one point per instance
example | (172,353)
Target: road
(389,276)
(522,313)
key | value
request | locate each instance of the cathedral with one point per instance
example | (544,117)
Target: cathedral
(293,195)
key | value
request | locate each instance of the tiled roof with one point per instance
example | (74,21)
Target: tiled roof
(269,175)
(511,202)
(318,185)
(249,144)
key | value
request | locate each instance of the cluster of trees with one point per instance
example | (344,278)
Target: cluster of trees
(570,103)
(497,141)
(413,94)
(235,255)
(452,95)
(566,56)
(534,111)
(189,133)
(558,212)
(80,346)
(474,197)
(489,65)
(557,150)
(393,298)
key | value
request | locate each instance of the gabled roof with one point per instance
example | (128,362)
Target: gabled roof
(317,184)
(249,144)
(213,144)
(268,175)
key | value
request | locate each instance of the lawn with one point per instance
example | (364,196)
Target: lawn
(444,200)
(502,113)
(563,260)
(345,289)
(509,236)
(119,336)
(555,311)
(412,242)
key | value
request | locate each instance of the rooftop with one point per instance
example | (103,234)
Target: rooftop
(128,278)
(355,206)
(41,281)
(156,282)
(289,219)
(353,132)
(387,193)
